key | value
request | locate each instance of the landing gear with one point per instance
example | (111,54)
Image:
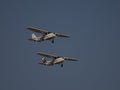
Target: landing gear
(62,65)
(52,41)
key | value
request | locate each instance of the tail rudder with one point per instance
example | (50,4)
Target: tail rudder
(34,36)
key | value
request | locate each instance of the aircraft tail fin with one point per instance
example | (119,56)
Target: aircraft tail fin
(34,36)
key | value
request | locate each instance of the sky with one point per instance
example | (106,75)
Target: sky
(95,39)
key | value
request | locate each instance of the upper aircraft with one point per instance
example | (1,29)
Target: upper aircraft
(55,59)
(46,35)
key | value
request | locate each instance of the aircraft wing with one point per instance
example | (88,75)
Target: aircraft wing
(37,30)
(62,35)
(70,59)
(47,55)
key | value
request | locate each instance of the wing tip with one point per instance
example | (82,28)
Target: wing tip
(29,27)
(38,52)
(68,36)
(75,59)
(72,59)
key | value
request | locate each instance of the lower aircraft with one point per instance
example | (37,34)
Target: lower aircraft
(55,59)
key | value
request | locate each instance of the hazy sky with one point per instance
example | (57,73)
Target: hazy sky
(95,39)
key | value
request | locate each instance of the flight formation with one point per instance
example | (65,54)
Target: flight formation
(49,36)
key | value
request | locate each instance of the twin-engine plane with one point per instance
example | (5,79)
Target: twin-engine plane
(46,35)
(55,59)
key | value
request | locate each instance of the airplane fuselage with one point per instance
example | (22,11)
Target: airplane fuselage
(59,60)
(56,61)
(49,36)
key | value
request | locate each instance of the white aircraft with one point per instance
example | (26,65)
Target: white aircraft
(46,35)
(55,59)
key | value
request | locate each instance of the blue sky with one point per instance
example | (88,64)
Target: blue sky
(94,29)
